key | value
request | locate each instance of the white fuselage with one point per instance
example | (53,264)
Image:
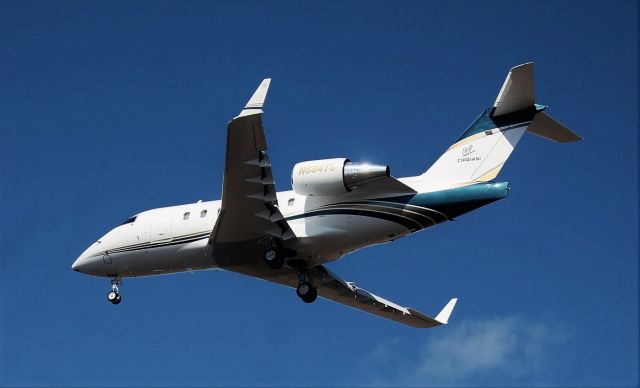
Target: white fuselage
(175,239)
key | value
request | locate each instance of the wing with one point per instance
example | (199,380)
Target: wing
(249,211)
(332,287)
(249,215)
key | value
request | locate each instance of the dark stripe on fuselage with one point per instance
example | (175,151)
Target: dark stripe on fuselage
(401,212)
(434,215)
(422,219)
(186,236)
(149,245)
(408,223)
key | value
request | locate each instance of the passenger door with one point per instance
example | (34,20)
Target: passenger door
(161,225)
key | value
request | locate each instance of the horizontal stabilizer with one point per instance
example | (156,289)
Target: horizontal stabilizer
(546,126)
(517,92)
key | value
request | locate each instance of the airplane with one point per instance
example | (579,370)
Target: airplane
(336,207)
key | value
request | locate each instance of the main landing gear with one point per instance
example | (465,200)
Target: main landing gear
(274,255)
(114,296)
(274,258)
(305,290)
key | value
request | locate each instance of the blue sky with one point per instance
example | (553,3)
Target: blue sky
(108,109)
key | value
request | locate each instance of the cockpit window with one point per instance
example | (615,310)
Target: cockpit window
(129,220)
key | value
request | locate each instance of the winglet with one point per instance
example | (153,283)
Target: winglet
(443,316)
(256,101)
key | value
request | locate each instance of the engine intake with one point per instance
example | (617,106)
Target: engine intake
(334,176)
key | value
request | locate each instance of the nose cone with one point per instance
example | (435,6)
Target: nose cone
(77,265)
(91,265)
(82,263)
(87,260)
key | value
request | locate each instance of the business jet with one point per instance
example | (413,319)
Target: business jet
(337,206)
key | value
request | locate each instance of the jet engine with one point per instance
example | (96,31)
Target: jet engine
(334,176)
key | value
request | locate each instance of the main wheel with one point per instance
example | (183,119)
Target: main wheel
(113,297)
(307,292)
(273,257)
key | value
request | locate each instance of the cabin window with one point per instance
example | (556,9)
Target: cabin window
(203,214)
(186,216)
(291,201)
(129,220)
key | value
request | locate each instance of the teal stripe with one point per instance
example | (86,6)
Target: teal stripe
(486,121)
(458,201)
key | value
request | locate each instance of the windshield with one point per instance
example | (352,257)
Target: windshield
(129,220)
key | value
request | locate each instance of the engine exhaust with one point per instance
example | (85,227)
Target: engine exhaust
(357,174)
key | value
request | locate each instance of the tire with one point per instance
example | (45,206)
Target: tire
(273,258)
(307,292)
(113,297)
(313,295)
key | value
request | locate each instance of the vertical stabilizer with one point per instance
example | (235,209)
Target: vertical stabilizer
(481,151)
(517,92)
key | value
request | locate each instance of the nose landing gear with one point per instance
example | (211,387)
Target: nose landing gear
(114,296)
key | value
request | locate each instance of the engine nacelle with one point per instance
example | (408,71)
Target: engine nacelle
(334,176)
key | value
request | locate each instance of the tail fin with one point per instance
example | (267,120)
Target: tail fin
(480,152)
(517,92)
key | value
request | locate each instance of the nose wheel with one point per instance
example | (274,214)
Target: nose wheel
(114,295)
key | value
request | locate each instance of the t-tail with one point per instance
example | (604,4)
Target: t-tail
(481,151)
